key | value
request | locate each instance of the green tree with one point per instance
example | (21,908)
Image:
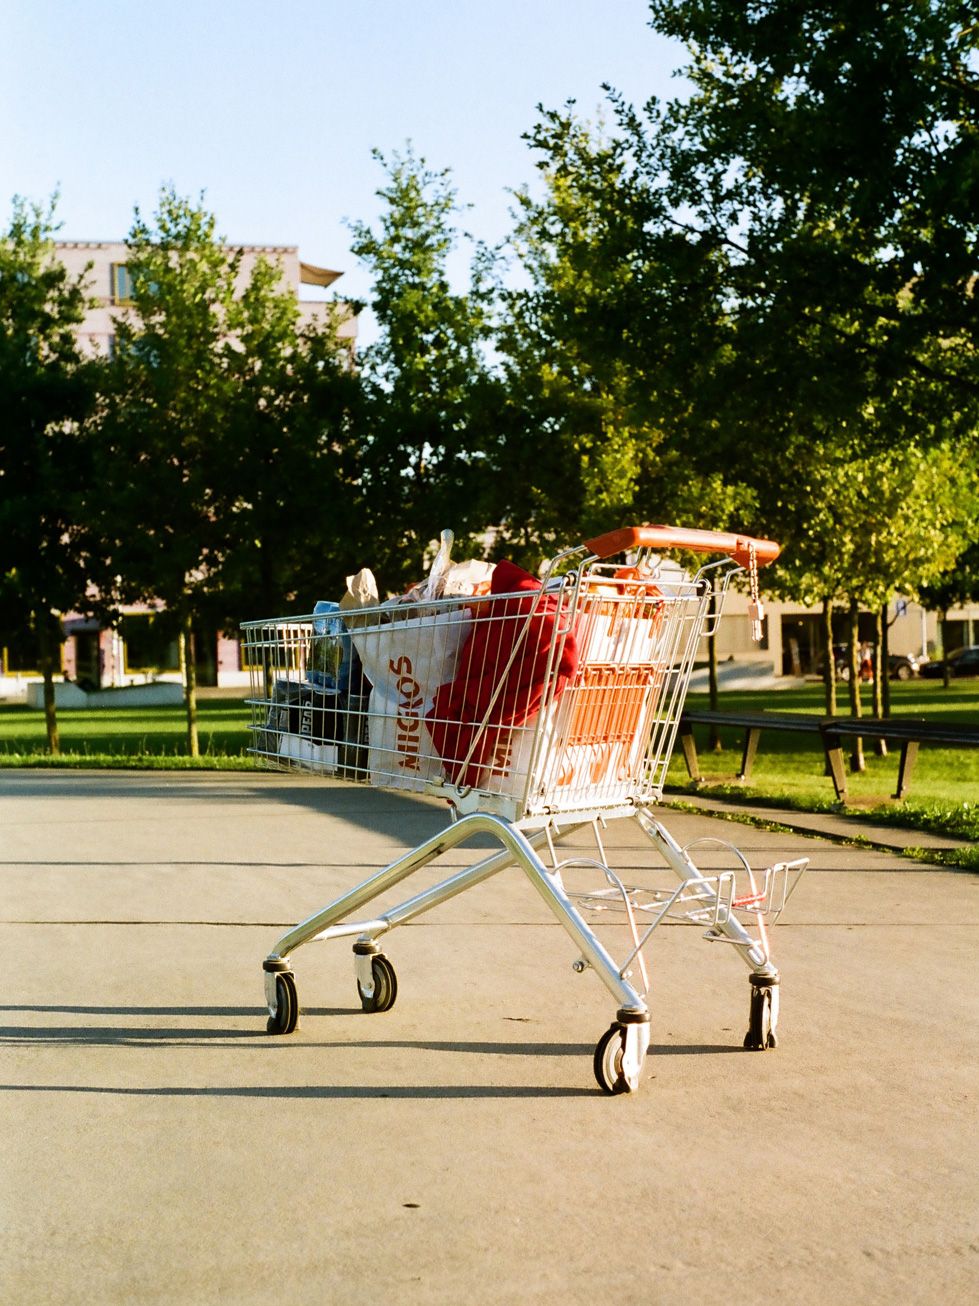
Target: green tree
(915,513)
(167,492)
(832,147)
(861,528)
(291,448)
(46,395)
(579,431)
(605,347)
(828,157)
(229,478)
(428,392)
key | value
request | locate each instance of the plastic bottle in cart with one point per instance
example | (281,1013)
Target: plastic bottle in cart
(334,665)
(324,662)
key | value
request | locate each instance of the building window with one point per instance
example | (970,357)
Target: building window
(18,653)
(121,285)
(149,645)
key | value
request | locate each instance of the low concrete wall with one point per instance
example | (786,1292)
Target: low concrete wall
(65,695)
(159,694)
(162,693)
(742,675)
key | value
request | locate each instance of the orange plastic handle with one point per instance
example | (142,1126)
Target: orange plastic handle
(737,547)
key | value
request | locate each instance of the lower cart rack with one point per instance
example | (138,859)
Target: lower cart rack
(704,899)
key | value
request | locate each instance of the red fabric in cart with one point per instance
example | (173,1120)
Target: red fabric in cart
(460,706)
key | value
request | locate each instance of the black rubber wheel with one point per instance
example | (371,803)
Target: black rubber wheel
(608,1061)
(285,1018)
(760,1035)
(385,985)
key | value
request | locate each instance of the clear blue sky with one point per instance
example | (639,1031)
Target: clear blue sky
(272,107)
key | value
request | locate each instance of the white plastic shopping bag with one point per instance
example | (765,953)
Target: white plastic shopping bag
(406,661)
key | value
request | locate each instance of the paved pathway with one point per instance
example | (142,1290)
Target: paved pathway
(159,1147)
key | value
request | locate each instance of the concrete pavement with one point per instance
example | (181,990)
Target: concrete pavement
(159,1147)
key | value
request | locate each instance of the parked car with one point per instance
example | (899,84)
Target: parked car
(961,662)
(900,666)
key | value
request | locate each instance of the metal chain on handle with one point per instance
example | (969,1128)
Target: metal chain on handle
(756,610)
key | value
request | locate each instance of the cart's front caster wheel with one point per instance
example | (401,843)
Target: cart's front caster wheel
(609,1058)
(762,1016)
(385,985)
(284,1005)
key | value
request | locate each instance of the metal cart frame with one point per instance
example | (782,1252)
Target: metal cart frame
(535,713)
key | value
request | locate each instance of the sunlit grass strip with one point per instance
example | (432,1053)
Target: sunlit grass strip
(964,858)
(944,796)
(128,761)
(126,734)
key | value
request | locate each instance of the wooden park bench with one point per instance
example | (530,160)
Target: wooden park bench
(903,731)
(832,731)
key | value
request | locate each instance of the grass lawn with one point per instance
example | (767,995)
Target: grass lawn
(119,736)
(788,770)
(792,765)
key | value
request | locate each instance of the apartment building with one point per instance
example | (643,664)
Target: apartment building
(104,265)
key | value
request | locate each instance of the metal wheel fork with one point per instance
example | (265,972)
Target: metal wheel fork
(621,1052)
(634,1050)
(754,954)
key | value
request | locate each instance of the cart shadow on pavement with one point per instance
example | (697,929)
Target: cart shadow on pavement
(147,1036)
(20,1035)
(326,1092)
(406,816)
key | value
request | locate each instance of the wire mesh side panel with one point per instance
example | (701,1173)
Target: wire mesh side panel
(350,697)
(607,740)
(307,697)
(567,700)
(534,702)
(407,653)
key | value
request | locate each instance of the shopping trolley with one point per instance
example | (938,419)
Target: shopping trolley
(544,708)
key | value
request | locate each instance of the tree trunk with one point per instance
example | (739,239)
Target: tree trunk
(829,662)
(879,664)
(188,668)
(714,739)
(884,645)
(46,645)
(946,674)
(857,762)
(880,673)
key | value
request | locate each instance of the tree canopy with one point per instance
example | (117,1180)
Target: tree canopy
(224,450)
(428,397)
(833,148)
(46,394)
(752,307)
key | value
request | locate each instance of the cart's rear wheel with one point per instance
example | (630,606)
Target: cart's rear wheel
(608,1061)
(761,1033)
(284,1016)
(385,985)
